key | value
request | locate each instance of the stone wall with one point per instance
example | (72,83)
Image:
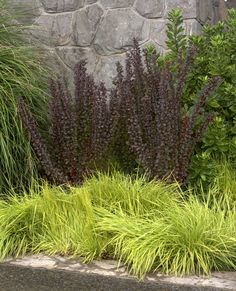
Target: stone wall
(102,30)
(231,3)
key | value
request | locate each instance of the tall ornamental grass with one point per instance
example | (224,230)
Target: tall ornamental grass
(21,72)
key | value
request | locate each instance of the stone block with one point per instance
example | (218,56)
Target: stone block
(223,10)
(54,30)
(231,4)
(192,26)
(158,33)
(189,7)
(116,32)
(211,11)
(205,10)
(72,55)
(89,2)
(61,5)
(150,8)
(117,3)
(85,22)
(105,70)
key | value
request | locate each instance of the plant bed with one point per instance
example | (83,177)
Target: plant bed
(114,178)
(148,226)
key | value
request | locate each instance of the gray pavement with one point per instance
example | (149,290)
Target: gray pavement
(40,273)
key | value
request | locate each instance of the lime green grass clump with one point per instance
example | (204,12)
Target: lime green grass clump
(189,239)
(134,195)
(147,225)
(52,220)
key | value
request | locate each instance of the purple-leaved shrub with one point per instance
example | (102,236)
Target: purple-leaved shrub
(81,127)
(160,135)
(145,105)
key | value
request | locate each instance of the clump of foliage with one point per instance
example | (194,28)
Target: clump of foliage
(148,226)
(48,220)
(81,128)
(134,194)
(216,57)
(121,156)
(21,72)
(222,188)
(146,100)
(162,137)
(176,38)
(190,239)
(154,105)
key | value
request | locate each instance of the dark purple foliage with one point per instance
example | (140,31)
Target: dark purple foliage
(145,106)
(38,143)
(162,139)
(82,127)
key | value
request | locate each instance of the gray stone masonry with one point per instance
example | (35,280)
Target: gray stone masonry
(101,31)
(231,3)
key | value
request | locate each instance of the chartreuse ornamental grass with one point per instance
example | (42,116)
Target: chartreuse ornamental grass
(189,239)
(134,195)
(222,190)
(225,183)
(147,225)
(52,220)
(68,226)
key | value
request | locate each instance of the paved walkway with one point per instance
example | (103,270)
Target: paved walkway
(41,273)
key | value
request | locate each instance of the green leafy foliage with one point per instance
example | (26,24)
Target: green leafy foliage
(222,187)
(216,57)
(176,39)
(188,239)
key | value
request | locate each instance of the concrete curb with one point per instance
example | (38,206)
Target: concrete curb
(40,274)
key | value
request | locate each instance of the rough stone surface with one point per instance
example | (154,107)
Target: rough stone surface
(88,2)
(150,8)
(158,33)
(106,68)
(62,5)
(204,11)
(85,22)
(192,26)
(231,3)
(103,30)
(98,275)
(54,30)
(189,7)
(116,3)
(72,55)
(117,30)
